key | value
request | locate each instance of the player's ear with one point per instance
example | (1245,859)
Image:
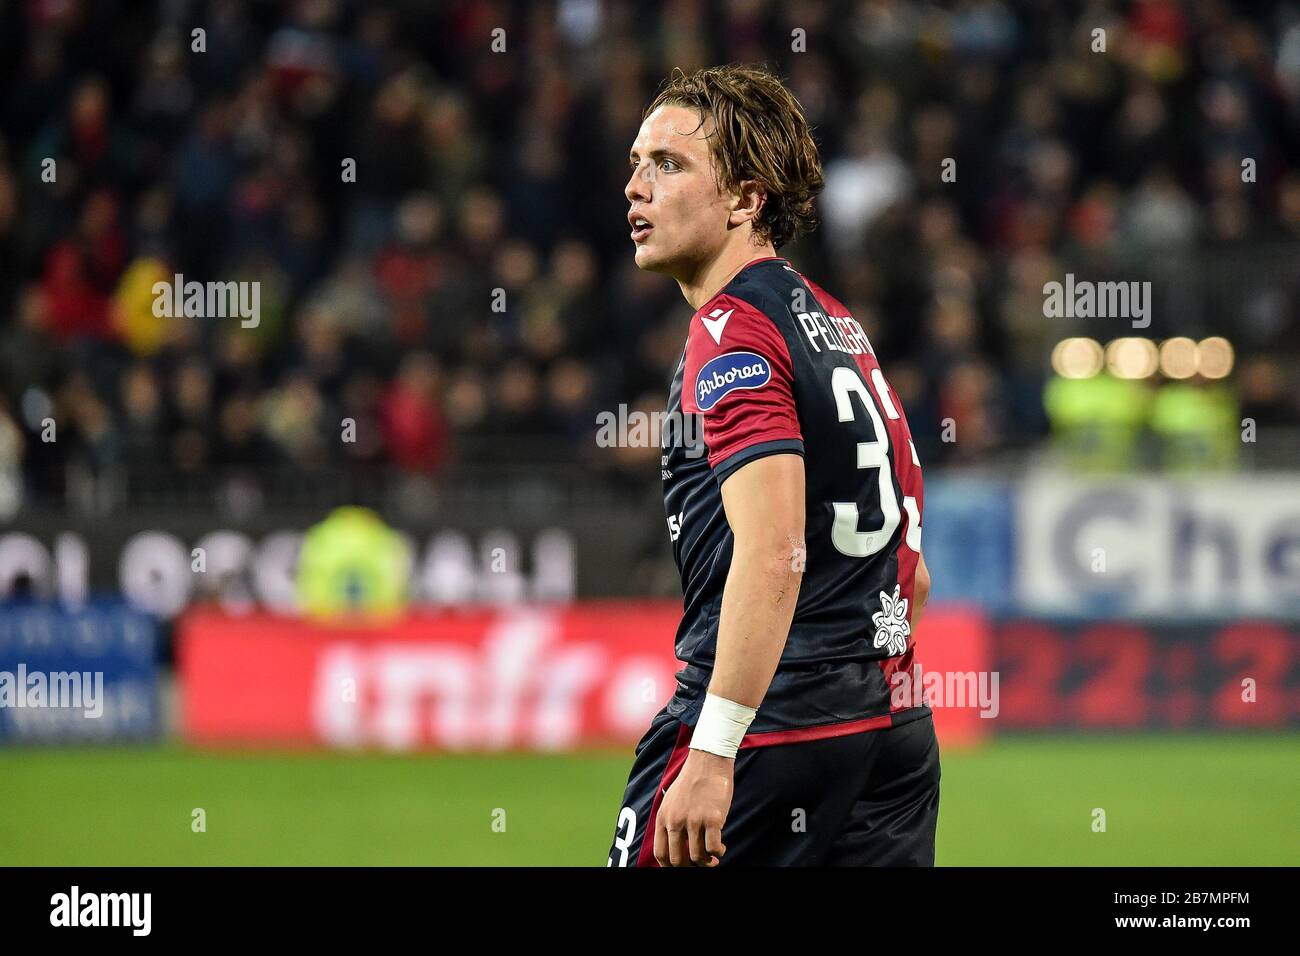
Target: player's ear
(747,201)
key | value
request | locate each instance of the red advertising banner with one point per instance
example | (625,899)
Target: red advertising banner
(1119,674)
(534,678)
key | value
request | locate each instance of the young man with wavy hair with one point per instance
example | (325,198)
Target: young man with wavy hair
(794,513)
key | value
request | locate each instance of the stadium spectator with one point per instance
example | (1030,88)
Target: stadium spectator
(473,278)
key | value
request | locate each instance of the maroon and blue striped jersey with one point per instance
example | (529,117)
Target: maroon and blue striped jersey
(773,365)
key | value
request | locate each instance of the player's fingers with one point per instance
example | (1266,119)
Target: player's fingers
(661,842)
(695,833)
(677,847)
(713,843)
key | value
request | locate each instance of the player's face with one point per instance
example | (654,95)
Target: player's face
(673,189)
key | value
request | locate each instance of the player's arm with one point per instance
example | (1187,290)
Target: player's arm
(738,376)
(920,590)
(764,504)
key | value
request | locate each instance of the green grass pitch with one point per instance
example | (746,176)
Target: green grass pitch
(1175,800)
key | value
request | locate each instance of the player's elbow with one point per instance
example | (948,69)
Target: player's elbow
(797,554)
(921,586)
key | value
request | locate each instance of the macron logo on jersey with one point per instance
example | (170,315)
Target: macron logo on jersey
(727,373)
(715,322)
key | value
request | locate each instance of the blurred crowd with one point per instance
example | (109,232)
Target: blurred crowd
(430,196)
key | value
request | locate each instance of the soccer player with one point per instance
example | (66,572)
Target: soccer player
(794,512)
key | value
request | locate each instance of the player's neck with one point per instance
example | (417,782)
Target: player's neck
(713,277)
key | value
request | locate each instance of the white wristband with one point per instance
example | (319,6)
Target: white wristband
(721,726)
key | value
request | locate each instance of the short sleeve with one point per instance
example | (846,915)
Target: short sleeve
(739,377)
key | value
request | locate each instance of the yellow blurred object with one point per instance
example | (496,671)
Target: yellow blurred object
(143,331)
(1197,424)
(353,565)
(1097,421)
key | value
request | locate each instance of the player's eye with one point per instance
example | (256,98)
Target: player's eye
(668,162)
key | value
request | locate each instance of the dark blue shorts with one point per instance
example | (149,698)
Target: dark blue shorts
(864,799)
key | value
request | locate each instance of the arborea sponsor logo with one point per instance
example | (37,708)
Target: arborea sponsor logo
(727,373)
(946,689)
(67,690)
(208,300)
(133,910)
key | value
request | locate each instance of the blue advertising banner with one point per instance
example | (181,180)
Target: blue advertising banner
(967,538)
(1198,548)
(79,674)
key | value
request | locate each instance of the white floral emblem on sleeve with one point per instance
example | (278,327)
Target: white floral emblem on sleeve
(892,627)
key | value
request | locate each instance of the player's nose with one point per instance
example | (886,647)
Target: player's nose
(638,185)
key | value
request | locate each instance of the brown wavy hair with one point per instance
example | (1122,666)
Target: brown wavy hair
(759,133)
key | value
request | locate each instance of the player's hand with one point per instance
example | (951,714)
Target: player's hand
(688,827)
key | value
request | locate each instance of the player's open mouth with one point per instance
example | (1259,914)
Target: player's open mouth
(641,228)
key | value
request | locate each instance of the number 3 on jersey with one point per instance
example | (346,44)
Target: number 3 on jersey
(623,835)
(845,383)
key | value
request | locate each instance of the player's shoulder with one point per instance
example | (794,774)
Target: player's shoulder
(757,300)
(737,338)
(771,302)
(770,287)
(830,305)
(775,289)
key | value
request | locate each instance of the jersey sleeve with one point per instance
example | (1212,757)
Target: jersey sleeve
(739,377)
